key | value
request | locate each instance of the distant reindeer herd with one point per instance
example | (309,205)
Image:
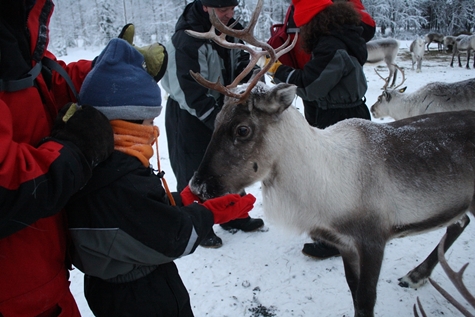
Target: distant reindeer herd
(463,43)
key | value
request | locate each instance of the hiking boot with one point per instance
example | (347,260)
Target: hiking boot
(212,241)
(246,224)
(319,250)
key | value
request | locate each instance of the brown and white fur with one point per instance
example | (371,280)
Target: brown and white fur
(431,98)
(384,50)
(417,53)
(463,43)
(434,37)
(354,185)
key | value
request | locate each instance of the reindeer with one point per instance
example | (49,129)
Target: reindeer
(434,37)
(463,43)
(355,184)
(417,52)
(449,42)
(431,98)
(384,50)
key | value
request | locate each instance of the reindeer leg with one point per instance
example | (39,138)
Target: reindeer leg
(370,268)
(468,58)
(362,273)
(419,275)
(350,261)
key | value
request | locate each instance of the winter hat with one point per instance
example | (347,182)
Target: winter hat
(219,3)
(119,86)
(305,10)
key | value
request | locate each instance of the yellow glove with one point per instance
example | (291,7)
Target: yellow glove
(155,55)
(274,67)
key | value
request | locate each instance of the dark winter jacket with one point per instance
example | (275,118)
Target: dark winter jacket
(124,229)
(35,181)
(191,108)
(333,80)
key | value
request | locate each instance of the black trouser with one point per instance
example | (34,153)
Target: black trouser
(158,294)
(187,139)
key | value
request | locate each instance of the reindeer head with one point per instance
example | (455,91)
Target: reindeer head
(381,107)
(238,155)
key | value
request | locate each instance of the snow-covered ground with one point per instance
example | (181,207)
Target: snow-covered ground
(264,273)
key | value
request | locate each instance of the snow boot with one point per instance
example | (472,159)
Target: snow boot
(212,241)
(246,224)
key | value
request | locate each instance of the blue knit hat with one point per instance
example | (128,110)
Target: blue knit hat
(119,86)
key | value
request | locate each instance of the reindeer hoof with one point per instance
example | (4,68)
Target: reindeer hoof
(403,283)
(407,282)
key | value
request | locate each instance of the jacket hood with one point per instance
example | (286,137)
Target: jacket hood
(193,18)
(350,37)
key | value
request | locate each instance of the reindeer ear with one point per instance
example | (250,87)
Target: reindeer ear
(281,97)
(402,89)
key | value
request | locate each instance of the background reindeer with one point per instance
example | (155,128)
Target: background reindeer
(417,52)
(401,178)
(431,98)
(449,42)
(463,43)
(384,50)
(434,37)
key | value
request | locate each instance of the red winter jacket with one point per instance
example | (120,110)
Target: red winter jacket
(35,181)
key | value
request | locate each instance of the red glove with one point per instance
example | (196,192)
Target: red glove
(187,197)
(230,207)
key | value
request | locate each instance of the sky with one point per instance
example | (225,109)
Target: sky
(265,274)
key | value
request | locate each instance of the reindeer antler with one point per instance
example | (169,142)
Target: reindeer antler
(386,80)
(247,35)
(456,278)
(403,76)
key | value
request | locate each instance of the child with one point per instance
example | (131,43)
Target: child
(125,231)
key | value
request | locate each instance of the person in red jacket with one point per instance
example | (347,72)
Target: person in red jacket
(47,152)
(297,57)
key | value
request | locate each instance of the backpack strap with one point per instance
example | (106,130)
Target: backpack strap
(19,84)
(289,21)
(29,80)
(53,65)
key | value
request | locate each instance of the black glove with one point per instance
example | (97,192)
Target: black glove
(88,129)
(155,55)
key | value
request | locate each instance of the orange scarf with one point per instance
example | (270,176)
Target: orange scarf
(137,140)
(134,139)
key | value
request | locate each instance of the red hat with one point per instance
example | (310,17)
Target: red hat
(305,10)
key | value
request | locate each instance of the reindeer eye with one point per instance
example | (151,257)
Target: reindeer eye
(243,131)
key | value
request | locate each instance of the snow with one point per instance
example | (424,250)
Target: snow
(264,273)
